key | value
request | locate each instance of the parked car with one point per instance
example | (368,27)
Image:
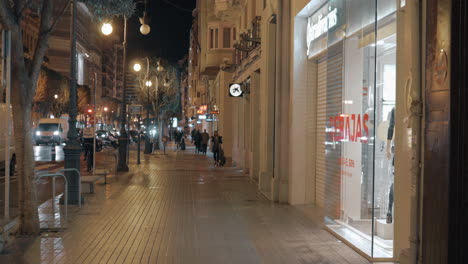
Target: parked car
(51,131)
(3,145)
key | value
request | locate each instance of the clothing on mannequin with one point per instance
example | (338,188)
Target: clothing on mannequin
(391,129)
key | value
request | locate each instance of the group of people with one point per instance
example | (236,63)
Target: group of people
(201,140)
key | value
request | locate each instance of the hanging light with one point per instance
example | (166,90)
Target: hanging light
(145,29)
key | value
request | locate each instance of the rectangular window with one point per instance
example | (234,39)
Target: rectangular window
(211,38)
(227,38)
(222,38)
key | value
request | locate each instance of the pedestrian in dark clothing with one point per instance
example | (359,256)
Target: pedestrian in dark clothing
(182,144)
(198,139)
(216,141)
(193,136)
(204,142)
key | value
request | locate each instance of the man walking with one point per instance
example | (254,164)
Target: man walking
(205,139)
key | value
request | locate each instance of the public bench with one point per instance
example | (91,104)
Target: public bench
(93,179)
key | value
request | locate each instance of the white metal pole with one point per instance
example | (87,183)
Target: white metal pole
(6,63)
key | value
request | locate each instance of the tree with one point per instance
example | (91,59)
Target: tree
(162,97)
(52,94)
(25,74)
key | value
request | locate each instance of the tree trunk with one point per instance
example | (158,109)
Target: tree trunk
(22,88)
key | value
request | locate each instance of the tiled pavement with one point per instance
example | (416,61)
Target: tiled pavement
(179,209)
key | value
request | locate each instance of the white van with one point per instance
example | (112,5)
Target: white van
(3,136)
(51,131)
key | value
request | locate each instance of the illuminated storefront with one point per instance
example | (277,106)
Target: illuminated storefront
(349,83)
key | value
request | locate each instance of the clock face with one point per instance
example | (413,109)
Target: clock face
(235,90)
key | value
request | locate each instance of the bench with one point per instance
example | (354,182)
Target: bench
(92,179)
(102,173)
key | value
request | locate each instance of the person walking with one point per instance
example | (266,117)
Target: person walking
(192,134)
(216,141)
(204,141)
(198,139)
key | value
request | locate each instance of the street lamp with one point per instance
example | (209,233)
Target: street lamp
(123,138)
(137,67)
(56,96)
(106,29)
(148,83)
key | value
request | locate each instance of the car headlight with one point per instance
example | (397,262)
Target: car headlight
(38,133)
(56,133)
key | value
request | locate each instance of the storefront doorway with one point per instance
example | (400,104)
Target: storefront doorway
(349,121)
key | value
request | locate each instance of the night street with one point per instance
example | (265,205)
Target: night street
(234,131)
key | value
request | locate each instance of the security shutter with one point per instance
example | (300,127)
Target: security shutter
(320,133)
(329,104)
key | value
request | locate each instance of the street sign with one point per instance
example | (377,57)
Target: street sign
(135,109)
(235,90)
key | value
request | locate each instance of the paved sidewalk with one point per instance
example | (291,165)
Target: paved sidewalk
(178,208)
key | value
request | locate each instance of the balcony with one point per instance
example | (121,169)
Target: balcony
(227,9)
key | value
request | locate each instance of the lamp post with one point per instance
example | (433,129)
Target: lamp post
(123,138)
(72,150)
(148,147)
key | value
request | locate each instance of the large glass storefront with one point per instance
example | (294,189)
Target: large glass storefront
(351,46)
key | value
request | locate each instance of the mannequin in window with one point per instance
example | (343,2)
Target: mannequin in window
(390,155)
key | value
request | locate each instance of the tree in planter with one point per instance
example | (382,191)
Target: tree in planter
(25,74)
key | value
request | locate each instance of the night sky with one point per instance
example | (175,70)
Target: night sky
(171,21)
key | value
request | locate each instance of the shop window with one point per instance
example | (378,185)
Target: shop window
(355,82)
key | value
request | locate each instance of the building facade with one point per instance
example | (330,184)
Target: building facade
(331,115)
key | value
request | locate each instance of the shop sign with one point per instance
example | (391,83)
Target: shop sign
(201,117)
(202,110)
(320,23)
(235,90)
(209,118)
(349,128)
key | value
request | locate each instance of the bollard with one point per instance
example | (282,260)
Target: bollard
(52,153)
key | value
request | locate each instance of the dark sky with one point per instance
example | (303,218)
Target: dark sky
(170,30)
